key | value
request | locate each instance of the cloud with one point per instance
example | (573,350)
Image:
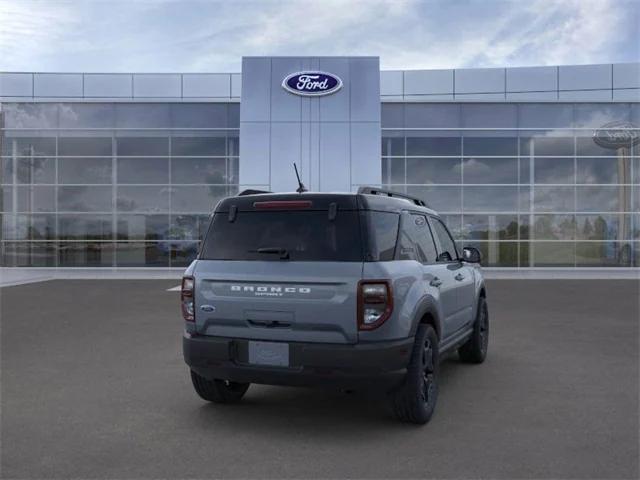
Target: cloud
(118,35)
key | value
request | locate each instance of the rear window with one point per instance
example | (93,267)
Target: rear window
(291,235)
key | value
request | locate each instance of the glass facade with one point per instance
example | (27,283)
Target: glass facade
(113,184)
(131,184)
(524,183)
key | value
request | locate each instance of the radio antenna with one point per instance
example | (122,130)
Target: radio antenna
(301,188)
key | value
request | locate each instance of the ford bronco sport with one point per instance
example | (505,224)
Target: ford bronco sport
(364,290)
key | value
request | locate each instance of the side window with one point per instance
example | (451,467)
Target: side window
(383,235)
(416,242)
(448,251)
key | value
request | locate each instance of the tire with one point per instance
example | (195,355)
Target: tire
(415,401)
(475,349)
(218,391)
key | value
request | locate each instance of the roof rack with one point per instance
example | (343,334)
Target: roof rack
(251,191)
(389,193)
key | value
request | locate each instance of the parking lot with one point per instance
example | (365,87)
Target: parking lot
(94,386)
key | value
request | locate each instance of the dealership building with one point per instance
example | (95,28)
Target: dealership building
(535,166)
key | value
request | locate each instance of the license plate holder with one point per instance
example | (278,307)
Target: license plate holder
(275,354)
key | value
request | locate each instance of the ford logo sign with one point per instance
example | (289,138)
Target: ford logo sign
(617,135)
(312,84)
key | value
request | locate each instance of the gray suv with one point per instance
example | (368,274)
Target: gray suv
(356,291)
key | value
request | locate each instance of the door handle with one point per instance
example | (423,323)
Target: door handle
(436,282)
(459,277)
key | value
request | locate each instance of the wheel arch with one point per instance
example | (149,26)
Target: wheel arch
(427,313)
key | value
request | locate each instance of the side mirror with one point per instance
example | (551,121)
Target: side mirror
(471,255)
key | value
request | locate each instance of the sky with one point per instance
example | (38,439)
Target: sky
(212,36)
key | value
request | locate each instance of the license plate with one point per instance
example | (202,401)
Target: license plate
(269,353)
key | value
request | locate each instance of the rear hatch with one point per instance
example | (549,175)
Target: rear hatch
(276,270)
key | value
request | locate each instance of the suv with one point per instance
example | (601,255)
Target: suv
(364,290)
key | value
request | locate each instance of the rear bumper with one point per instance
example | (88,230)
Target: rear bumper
(380,365)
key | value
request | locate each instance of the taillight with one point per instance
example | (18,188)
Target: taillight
(187,298)
(375,303)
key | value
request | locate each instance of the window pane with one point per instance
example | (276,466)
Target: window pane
(198,146)
(79,115)
(552,254)
(29,254)
(32,170)
(392,115)
(35,199)
(603,254)
(392,144)
(536,115)
(420,144)
(84,199)
(490,170)
(490,227)
(143,227)
(384,233)
(603,170)
(142,146)
(305,235)
(447,245)
(183,253)
(497,254)
(80,254)
(189,227)
(604,227)
(84,170)
(141,115)
(434,170)
(554,227)
(603,198)
(143,199)
(199,170)
(454,224)
(28,146)
(425,115)
(489,115)
(30,115)
(441,199)
(143,170)
(140,254)
(85,227)
(28,227)
(598,114)
(490,146)
(198,199)
(554,199)
(547,146)
(393,170)
(199,115)
(81,146)
(553,170)
(586,146)
(490,199)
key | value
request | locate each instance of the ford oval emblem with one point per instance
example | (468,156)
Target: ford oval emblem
(312,83)
(617,135)
(208,308)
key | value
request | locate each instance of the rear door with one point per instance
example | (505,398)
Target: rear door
(462,276)
(417,243)
(280,275)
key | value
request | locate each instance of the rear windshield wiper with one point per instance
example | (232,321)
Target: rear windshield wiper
(284,254)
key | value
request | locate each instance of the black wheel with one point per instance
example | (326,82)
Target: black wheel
(415,401)
(218,391)
(475,349)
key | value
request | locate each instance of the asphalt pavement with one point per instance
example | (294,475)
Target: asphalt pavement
(93,385)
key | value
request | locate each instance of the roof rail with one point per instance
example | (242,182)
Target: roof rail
(251,191)
(389,193)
